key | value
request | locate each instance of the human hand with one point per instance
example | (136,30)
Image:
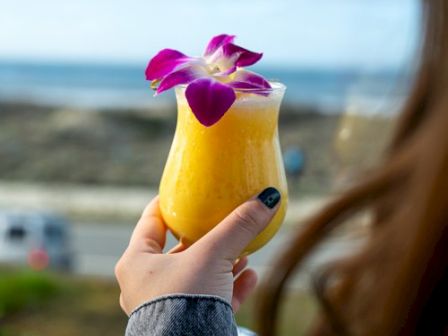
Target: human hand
(209,266)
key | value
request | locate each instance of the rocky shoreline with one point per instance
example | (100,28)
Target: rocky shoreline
(128,147)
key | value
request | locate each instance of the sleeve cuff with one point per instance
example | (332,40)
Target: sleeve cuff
(183,314)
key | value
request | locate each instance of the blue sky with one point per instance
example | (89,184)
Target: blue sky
(328,33)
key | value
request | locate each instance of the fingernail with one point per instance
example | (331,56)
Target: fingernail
(270,197)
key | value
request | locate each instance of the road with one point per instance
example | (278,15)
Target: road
(98,246)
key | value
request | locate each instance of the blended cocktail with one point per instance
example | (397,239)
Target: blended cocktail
(212,170)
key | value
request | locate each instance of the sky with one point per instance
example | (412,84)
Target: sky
(315,33)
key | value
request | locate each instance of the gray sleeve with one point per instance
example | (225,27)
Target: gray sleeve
(183,315)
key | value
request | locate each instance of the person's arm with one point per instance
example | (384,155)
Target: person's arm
(181,315)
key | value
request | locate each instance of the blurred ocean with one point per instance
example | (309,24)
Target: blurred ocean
(94,85)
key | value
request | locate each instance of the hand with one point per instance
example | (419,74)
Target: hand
(209,266)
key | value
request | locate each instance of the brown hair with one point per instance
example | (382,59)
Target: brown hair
(394,284)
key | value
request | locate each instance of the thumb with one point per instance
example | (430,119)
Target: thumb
(229,238)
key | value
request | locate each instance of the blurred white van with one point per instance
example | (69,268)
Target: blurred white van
(39,240)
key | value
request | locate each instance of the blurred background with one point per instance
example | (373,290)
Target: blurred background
(83,142)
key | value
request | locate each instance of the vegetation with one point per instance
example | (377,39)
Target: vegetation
(47,304)
(24,289)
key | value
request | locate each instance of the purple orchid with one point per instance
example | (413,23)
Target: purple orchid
(211,80)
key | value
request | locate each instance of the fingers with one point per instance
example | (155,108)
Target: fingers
(229,238)
(123,307)
(239,266)
(243,286)
(181,246)
(150,232)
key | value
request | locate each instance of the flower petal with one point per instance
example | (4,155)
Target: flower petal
(244,79)
(165,62)
(242,57)
(227,72)
(182,76)
(217,42)
(209,99)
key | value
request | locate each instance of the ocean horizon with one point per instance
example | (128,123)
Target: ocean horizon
(124,86)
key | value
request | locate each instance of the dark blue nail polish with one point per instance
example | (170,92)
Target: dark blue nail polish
(270,197)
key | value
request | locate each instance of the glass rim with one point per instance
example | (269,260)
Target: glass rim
(275,87)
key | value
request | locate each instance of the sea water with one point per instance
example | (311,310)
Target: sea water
(123,86)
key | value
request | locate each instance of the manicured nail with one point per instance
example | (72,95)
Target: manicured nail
(270,197)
